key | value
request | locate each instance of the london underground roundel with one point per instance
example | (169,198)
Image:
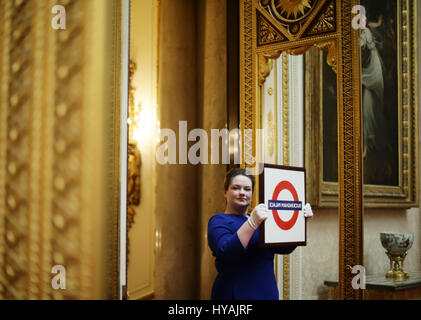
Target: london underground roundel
(275,205)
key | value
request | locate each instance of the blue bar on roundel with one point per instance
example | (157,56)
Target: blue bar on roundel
(284,205)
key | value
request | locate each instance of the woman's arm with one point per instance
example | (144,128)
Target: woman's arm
(257,216)
(245,233)
(223,239)
(227,243)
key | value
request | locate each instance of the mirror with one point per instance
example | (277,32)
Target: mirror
(269,27)
(287,116)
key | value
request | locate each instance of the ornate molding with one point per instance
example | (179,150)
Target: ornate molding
(291,15)
(134,161)
(271,133)
(133,182)
(285,157)
(48,206)
(19,34)
(4,49)
(350,155)
(267,33)
(285,110)
(280,21)
(67,150)
(247,94)
(325,22)
(330,47)
(297,51)
(265,65)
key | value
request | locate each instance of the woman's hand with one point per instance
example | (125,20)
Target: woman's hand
(258,215)
(308,212)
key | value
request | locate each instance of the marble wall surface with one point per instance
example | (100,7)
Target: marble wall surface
(212,114)
(176,211)
(320,256)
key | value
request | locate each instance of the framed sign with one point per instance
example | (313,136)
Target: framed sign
(282,189)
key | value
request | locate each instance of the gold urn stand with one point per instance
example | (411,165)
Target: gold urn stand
(396,266)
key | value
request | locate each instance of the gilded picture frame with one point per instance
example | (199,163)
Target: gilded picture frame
(390,179)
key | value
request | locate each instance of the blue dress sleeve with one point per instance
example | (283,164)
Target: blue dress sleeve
(223,239)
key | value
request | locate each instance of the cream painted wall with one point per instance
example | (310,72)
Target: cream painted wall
(320,256)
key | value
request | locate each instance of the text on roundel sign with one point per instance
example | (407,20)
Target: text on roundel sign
(285,205)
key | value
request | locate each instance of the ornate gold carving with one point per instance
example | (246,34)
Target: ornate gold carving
(290,17)
(133,113)
(44,168)
(267,33)
(297,51)
(286,286)
(330,46)
(279,21)
(66,201)
(409,101)
(264,69)
(277,155)
(133,182)
(247,95)
(36,194)
(285,109)
(265,65)
(325,22)
(271,133)
(285,157)
(134,161)
(349,153)
(19,35)
(287,10)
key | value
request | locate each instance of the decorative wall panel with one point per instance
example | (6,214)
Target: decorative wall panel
(57,130)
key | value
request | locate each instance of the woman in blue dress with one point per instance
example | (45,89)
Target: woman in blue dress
(245,271)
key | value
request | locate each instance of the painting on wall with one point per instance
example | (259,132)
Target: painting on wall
(389,110)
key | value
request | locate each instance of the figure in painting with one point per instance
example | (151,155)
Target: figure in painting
(377,104)
(373,90)
(380,105)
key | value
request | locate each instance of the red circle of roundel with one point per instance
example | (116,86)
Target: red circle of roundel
(285,225)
